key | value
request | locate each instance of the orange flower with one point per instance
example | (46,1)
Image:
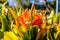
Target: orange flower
(25,15)
(37,19)
(22,19)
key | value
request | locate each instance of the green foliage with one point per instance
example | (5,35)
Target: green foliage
(5,23)
(1,35)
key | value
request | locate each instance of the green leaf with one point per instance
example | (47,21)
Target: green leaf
(5,23)
(33,32)
(58,37)
(24,33)
(1,35)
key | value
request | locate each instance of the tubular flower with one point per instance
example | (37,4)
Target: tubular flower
(22,19)
(25,15)
(37,19)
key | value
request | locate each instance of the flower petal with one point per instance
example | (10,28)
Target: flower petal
(21,21)
(25,15)
(37,20)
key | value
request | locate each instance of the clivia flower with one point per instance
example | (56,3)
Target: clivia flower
(24,19)
(37,20)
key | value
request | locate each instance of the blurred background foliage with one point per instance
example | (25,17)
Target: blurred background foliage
(9,29)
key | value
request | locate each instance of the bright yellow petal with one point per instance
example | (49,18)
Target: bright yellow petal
(10,36)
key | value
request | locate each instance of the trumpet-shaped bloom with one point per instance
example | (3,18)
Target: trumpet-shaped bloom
(25,18)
